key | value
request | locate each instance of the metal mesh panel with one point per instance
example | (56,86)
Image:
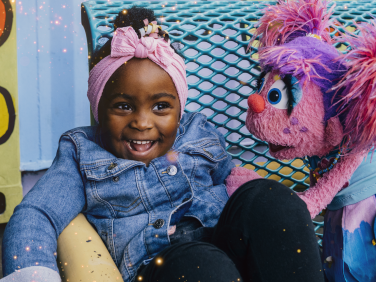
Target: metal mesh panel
(213,37)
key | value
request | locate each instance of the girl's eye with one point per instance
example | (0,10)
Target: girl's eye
(161,106)
(122,106)
(261,83)
(277,95)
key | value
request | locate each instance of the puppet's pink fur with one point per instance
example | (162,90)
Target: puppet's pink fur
(359,100)
(318,197)
(334,131)
(280,21)
(239,176)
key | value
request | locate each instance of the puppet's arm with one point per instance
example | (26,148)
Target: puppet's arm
(239,176)
(319,196)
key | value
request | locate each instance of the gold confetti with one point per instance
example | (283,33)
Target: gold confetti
(159,261)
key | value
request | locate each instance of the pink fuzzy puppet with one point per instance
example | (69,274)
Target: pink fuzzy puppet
(312,102)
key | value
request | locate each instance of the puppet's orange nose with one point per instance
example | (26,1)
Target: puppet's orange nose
(256,103)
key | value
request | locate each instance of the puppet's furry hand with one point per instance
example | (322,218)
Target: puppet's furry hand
(312,208)
(239,176)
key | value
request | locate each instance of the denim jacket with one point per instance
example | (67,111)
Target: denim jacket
(131,205)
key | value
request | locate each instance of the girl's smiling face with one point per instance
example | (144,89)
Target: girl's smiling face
(139,111)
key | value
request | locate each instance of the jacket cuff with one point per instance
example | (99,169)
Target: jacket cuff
(33,273)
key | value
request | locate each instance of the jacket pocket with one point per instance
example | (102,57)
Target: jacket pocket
(116,190)
(124,208)
(205,156)
(210,149)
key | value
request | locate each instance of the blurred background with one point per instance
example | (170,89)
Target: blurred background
(43,84)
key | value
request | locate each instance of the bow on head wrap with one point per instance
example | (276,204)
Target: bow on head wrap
(124,46)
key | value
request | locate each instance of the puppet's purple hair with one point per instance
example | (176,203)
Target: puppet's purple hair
(308,59)
(358,85)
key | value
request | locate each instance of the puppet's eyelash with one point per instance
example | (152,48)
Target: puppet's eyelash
(287,79)
(259,80)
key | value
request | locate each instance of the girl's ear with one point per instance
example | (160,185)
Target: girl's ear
(334,131)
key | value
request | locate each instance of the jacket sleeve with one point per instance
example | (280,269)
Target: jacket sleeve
(224,167)
(30,237)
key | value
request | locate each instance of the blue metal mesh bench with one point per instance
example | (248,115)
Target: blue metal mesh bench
(221,75)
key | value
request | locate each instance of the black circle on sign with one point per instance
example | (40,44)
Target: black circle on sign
(12,115)
(158,223)
(8,21)
(3,203)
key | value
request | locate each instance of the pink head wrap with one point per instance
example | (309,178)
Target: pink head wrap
(124,46)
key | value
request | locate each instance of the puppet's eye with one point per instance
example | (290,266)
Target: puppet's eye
(261,82)
(277,95)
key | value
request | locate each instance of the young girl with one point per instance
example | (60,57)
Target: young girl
(150,179)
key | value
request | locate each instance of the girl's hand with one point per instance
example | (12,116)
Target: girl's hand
(239,176)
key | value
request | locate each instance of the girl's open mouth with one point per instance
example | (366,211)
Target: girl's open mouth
(140,147)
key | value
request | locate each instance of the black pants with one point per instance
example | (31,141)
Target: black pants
(264,233)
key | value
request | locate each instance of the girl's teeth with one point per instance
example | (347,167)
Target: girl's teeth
(139,142)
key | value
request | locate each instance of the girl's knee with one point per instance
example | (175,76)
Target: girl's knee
(192,251)
(192,261)
(263,187)
(265,196)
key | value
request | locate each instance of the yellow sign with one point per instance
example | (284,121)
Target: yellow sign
(10,175)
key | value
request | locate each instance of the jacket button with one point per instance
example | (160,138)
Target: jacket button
(158,223)
(112,166)
(172,170)
(115,179)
